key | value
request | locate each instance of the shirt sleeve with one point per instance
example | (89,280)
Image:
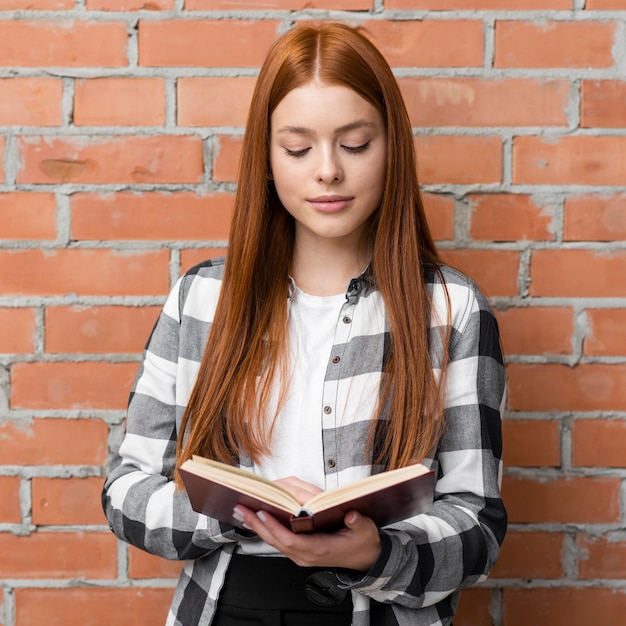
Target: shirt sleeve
(426,558)
(140,499)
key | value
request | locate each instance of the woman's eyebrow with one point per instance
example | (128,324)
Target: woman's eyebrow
(303,130)
(296,130)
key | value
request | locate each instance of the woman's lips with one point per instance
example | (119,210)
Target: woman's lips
(330,204)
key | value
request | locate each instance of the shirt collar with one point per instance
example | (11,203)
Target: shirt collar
(356,287)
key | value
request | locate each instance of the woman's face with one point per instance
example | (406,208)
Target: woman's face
(328,158)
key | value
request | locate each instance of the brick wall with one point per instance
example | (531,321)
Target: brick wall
(120,127)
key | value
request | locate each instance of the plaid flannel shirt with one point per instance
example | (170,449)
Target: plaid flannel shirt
(425,560)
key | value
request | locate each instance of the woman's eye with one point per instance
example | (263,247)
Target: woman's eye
(356,149)
(296,153)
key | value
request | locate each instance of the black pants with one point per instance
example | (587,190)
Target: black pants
(269,591)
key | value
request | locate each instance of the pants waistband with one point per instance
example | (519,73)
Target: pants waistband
(272,583)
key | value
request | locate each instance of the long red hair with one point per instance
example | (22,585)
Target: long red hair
(248,337)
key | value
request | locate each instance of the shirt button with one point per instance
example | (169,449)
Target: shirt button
(336,359)
(328,410)
(331,463)
(347,320)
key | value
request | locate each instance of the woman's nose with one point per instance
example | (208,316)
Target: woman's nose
(329,168)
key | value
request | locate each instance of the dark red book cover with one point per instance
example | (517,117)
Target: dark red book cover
(386,505)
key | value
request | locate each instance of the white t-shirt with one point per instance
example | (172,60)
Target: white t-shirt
(297,440)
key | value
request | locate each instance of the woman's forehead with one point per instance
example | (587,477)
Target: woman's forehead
(316,105)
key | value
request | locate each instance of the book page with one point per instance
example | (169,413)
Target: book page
(364,486)
(244,481)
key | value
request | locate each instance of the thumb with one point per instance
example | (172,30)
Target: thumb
(352,519)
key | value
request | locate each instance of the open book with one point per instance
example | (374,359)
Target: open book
(215,488)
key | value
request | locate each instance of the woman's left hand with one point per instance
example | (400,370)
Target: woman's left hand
(357,546)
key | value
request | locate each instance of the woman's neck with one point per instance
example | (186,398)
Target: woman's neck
(326,272)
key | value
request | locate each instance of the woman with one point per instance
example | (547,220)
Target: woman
(331,343)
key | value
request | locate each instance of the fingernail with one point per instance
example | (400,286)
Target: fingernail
(238,514)
(261,515)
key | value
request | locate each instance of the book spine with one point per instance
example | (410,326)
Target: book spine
(301,523)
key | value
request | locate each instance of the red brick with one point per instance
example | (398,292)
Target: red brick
(32,101)
(152,216)
(292,5)
(134,160)
(2,160)
(601,557)
(459,159)
(85,272)
(67,501)
(606,332)
(205,43)
(130,5)
(595,218)
(570,500)
(485,102)
(579,160)
(408,43)
(474,608)
(602,104)
(192,256)
(214,101)
(531,555)
(10,500)
(119,102)
(17,331)
(582,44)
(578,273)
(99,329)
(440,215)
(536,330)
(495,271)
(531,443)
(36,5)
(28,215)
(63,43)
(509,217)
(564,606)
(611,5)
(52,441)
(478,5)
(225,166)
(64,385)
(79,606)
(599,443)
(144,565)
(62,555)
(555,387)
